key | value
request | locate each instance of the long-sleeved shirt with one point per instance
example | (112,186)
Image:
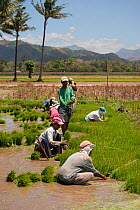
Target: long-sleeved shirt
(65,95)
(95,115)
(50,135)
(76,163)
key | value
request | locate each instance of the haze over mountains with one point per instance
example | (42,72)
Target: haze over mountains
(131,55)
(33,52)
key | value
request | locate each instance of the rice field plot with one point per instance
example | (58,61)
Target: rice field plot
(117,151)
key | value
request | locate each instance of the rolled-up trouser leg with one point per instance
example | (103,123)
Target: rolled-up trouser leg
(83,178)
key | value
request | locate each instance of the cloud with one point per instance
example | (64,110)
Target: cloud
(105,45)
(72,29)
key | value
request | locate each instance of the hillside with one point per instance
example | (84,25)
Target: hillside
(131,55)
(33,52)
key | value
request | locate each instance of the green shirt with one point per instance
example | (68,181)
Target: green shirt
(65,95)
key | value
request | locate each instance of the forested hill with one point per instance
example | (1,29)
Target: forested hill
(33,52)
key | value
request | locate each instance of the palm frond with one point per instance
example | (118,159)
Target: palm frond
(38,8)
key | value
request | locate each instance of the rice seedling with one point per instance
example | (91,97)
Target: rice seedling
(48,170)
(47,174)
(30,136)
(2,121)
(35,177)
(35,155)
(11,176)
(67,135)
(23,180)
(16,137)
(47,178)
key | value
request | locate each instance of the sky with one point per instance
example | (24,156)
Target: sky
(101,26)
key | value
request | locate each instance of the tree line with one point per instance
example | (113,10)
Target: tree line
(71,65)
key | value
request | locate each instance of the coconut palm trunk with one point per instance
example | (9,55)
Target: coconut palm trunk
(48,10)
(42,53)
(16,49)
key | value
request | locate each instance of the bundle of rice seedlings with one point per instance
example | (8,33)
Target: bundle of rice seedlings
(11,176)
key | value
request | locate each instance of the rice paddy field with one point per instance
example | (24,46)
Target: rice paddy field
(117,151)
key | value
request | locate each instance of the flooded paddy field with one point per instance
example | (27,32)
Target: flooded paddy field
(99,194)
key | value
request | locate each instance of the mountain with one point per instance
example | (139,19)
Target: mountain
(75,47)
(33,52)
(131,55)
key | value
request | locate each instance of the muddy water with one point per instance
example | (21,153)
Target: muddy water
(99,194)
(10,124)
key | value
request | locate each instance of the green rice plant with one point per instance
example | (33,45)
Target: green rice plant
(63,157)
(34,125)
(16,137)
(47,178)
(117,141)
(2,121)
(81,102)
(5,140)
(35,177)
(67,135)
(45,124)
(16,112)
(133,184)
(15,119)
(32,117)
(30,135)
(42,117)
(26,126)
(23,180)
(40,126)
(35,117)
(48,170)
(11,176)
(47,174)
(55,178)
(130,173)
(35,155)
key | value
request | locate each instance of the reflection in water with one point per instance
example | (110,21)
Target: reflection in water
(10,125)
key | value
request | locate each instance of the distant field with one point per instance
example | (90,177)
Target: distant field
(78,78)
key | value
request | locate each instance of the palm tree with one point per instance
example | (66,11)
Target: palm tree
(7,9)
(17,23)
(48,10)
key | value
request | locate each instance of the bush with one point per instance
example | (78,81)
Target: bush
(35,156)
(11,176)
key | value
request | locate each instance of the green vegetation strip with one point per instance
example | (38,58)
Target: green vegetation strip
(79,79)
